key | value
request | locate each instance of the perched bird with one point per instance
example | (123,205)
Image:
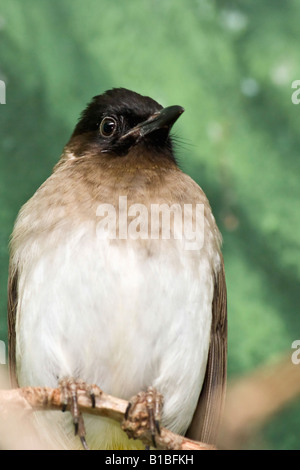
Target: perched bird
(102,290)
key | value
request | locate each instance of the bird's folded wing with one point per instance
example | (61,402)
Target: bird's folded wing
(205,424)
(11,319)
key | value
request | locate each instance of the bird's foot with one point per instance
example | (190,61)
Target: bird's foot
(69,388)
(143,415)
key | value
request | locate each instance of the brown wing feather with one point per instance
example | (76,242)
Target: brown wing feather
(206,420)
(11,318)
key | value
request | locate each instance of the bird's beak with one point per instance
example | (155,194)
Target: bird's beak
(163,119)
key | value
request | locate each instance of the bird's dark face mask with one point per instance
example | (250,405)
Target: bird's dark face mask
(120,119)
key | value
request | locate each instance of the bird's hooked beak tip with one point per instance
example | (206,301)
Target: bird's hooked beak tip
(163,119)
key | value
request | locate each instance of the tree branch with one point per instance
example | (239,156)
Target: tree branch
(28,399)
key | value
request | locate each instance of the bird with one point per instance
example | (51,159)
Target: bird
(103,290)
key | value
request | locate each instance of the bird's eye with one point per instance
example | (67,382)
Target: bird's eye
(108,126)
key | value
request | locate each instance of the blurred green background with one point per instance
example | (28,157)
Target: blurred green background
(231,65)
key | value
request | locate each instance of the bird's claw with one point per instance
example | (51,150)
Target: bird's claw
(69,392)
(143,415)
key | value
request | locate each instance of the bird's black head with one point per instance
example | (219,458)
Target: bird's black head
(119,119)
